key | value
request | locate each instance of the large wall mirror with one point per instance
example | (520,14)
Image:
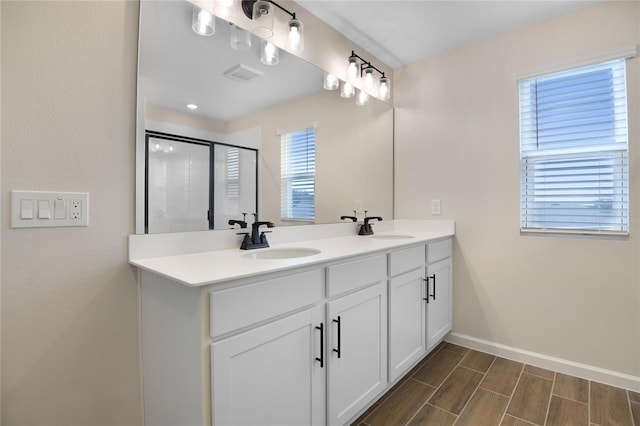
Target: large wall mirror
(198,168)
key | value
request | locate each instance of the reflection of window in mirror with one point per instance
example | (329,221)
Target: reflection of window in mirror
(298,171)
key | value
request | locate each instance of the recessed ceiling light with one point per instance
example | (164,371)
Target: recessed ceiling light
(192,106)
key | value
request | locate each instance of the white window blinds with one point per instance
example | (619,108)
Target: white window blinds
(573,151)
(298,169)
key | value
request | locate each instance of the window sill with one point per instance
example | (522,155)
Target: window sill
(578,233)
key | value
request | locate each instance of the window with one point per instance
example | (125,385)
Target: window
(573,151)
(298,170)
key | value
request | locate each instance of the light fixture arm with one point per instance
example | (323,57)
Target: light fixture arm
(247,8)
(364,64)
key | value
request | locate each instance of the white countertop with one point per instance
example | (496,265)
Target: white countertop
(216,266)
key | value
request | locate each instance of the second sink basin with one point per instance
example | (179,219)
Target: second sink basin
(281,253)
(392,237)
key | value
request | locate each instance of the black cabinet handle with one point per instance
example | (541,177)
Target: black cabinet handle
(321,359)
(339,346)
(426,280)
(434,286)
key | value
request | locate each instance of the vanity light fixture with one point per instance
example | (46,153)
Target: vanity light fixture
(362,98)
(261,12)
(240,39)
(353,67)
(331,82)
(384,90)
(225,8)
(192,106)
(269,53)
(203,22)
(347,90)
(359,67)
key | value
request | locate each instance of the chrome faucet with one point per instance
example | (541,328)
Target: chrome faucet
(257,239)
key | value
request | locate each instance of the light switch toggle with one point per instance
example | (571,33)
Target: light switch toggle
(44,209)
(26,209)
(59,209)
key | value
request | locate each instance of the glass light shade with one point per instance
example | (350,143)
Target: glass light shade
(385,88)
(368,80)
(225,8)
(331,82)
(240,39)
(263,19)
(269,54)
(296,36)
(347,90)
(362,98)
(203,22)
(353,66)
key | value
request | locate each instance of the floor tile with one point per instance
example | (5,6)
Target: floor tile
(455,348)
(513,421)
(531,399)
(454,393)
(401,405)
(436,369)
(564,411)
(634,397)
(484,408)
(540,372)
(478,361)
(609,405)
(432,416)
(571,387)
(502,376)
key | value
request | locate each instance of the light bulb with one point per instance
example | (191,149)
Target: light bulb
(296,36)
(347,90)
(331,82)
(362,98)
(203,22)
(368,79)
(224,8)
(385,88)
(352,69)
(269,54)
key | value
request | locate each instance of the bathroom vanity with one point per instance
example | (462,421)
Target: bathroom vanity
(309,331)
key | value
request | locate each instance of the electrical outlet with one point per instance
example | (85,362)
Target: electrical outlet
(75,210)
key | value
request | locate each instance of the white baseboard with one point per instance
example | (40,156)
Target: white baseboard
(584,371)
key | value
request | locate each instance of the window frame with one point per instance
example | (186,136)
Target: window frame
(295,178)
(562,155)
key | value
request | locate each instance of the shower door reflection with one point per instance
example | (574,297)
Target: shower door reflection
(185,193)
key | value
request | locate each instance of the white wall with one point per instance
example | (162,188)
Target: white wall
(575,299)
(70,346)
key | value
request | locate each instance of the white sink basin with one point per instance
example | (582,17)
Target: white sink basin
(281,253)
(392,237)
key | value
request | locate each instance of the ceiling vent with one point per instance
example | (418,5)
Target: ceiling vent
(242,73)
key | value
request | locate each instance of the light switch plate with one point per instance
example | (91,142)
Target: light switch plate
(55,202)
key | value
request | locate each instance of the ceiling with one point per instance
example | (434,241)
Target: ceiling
(400,32)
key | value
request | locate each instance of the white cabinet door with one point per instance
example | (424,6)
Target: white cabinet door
(357,351)
(271,375)
(407,322)
(439,297)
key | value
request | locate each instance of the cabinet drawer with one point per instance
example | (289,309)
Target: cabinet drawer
(239,307)
(439,250)
(405,260)
(358,273)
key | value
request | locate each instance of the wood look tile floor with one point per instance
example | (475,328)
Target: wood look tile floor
(460,386)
